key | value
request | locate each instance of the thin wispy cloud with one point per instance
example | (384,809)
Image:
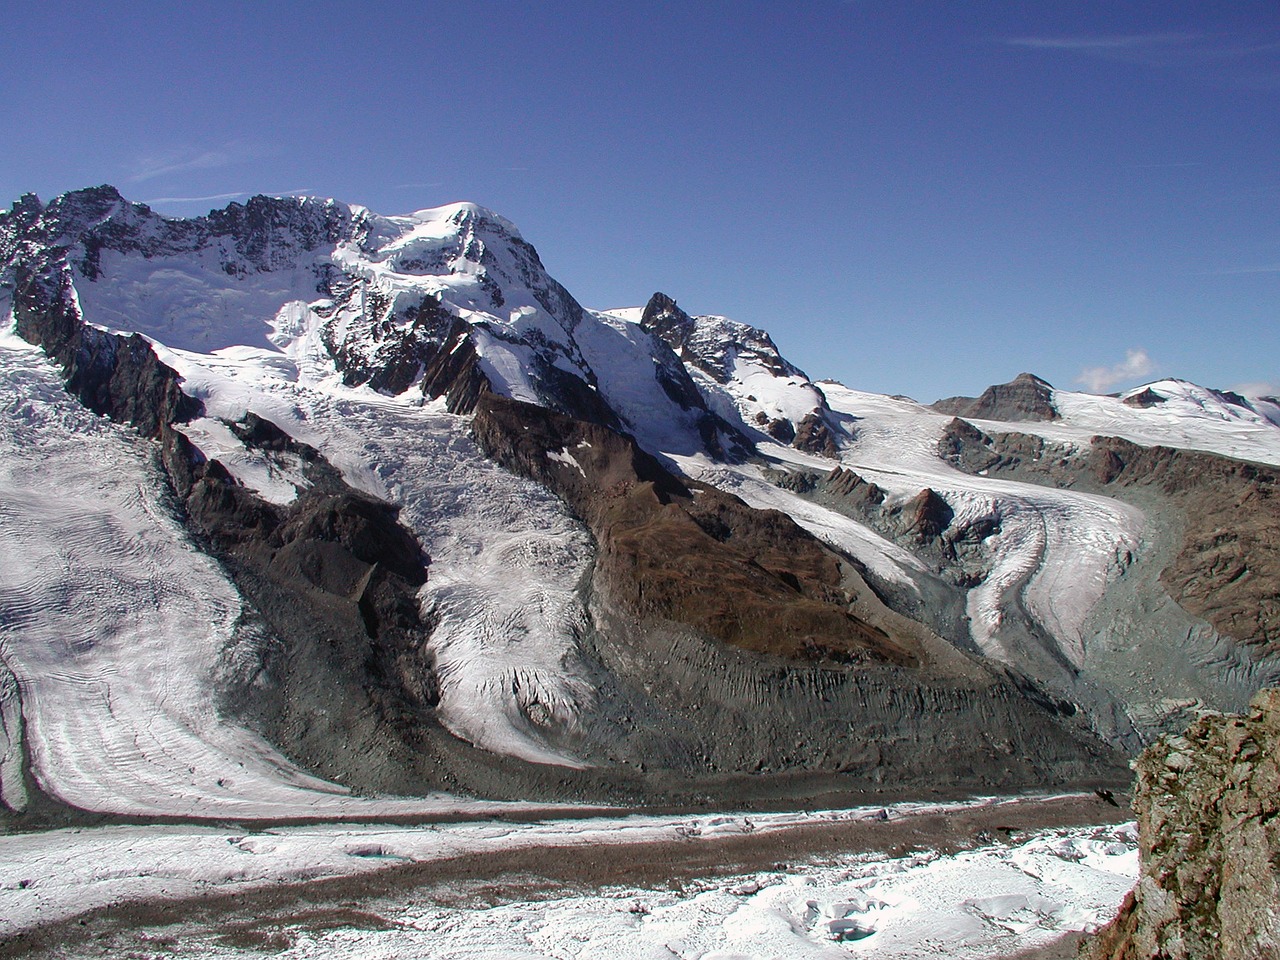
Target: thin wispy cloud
(1135,365)
(1141,41)
(211,197)
(215,197)
(182,161)
(1247,271)
(418,186)
(1165,49)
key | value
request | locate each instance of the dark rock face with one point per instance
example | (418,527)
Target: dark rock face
(682,551)
(688,337)
(814,435)
(973,451)
(425,345)
(333,551)
(713,344)
(117,376)
(926,516)
(847,484)
(1143,400)
(663,317)
(1208,807)
(1026,397)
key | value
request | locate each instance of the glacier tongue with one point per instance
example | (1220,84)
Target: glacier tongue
(1049,539)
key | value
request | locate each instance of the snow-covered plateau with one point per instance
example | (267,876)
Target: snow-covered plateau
(202,421)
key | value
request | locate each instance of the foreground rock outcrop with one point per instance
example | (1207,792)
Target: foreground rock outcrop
(1208,806)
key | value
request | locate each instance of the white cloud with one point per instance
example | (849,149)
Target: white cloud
(1135,365)
(215,196)
(182,160)
(1102,44)
(1257,388)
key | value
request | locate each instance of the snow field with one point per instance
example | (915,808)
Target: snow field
(1191,417)
(1019,893)
(189,301)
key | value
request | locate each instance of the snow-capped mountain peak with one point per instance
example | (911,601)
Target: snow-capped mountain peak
(285,353)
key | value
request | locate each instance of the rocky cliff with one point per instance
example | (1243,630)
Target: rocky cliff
(1208,806)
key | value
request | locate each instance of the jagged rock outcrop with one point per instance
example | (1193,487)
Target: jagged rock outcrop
(973,451)
(1025,397)
(723,349)
(851,486)
(925,516)
(1144,399)
(814,435)
(1208,807)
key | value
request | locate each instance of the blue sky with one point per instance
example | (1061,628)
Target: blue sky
(912,197)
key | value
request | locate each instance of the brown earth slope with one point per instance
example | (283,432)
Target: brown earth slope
(685,551)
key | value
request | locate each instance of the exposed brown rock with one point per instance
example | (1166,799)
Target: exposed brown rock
(853,487)
(1147,398)
(1208,807)
(685,551)
(814,435)
(925,516)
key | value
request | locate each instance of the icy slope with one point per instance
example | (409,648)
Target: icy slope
(116,627)
(506,557)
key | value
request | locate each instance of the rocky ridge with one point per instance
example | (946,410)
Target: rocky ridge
(1208,807)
